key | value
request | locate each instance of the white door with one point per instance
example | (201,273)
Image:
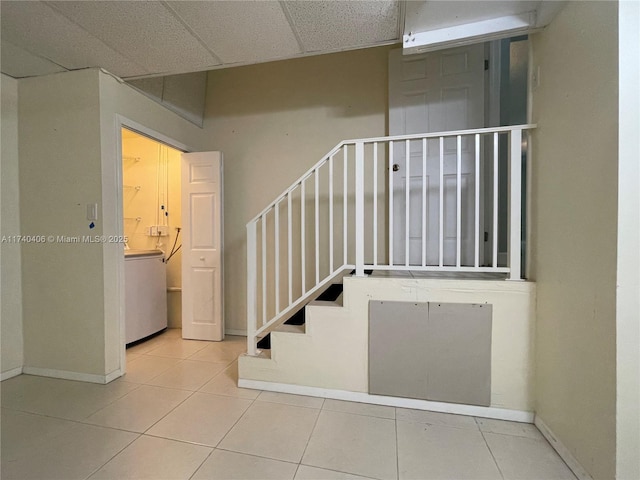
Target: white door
(202,308)
(434,92)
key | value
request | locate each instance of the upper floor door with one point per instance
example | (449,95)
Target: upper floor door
(434,92)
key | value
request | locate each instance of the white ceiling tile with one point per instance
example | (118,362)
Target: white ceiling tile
(17,62)
(433,15)
(335,25)
(240,32)
(144,31)
(35,27)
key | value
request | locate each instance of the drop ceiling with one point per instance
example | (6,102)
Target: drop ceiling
(137,39)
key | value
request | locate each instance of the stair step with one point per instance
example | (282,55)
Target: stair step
(297,318)
(264,343)
(264,354)
(291,328)
(332,296)
(366,272)
(326,303)
(331,293)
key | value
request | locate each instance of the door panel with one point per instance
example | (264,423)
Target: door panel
(439,91)
(202,300)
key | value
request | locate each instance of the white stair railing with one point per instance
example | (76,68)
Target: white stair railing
(340,215)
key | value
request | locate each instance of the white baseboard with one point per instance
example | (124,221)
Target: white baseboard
(361,397)
(563,451)
(81,377)
(14,372)
(240,333)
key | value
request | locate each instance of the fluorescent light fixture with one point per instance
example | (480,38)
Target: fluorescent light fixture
(475,32)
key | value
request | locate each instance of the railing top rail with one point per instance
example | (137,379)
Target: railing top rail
(334,150)
(450,133)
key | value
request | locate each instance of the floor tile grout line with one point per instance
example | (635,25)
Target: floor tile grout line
(165,415)
(542,440)
(164,371)
(359,414)
(313,429)
(79,422)
(257,456)
(85,422)
(113,456)
(288,404)
(395,427)
(201,464)
(236,422)
(495,461)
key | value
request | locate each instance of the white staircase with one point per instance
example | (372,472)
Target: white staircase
(346,213)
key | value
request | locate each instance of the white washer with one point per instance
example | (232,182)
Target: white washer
(145,282)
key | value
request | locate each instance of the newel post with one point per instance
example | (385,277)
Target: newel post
(359,209)
(515,204)
(252,277)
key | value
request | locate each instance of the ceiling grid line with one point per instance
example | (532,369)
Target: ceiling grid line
(215,56)
(44,57)
(56,10)
(292,24)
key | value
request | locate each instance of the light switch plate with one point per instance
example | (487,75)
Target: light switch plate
(92,211)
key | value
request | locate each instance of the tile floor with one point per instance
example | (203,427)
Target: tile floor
(177,414)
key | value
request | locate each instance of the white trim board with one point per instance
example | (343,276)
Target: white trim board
(66,375)
(361,397)
(14,372)
(566,455)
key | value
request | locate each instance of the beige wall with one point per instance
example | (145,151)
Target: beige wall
(10,287)
(60,167)
(574,223)
(273,122)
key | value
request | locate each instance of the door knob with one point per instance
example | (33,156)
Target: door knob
(396,167)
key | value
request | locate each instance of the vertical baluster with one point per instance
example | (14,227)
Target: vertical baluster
(303,260)
(407,199)
(424,202)
(317,222)
(441,214)
(458,198)
(477,203)
(515,204)
(264,268)
(290,246)
(252,293)
(276,265)
(495,199)
(331,214)
(344,207)
(359,208)
(391,226)
(375,203)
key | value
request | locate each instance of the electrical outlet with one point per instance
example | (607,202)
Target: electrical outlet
(159,231)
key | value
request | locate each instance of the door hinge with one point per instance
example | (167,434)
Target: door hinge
(486,64)
(486,236)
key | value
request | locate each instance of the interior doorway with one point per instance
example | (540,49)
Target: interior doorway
(181,219)
(152,225)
